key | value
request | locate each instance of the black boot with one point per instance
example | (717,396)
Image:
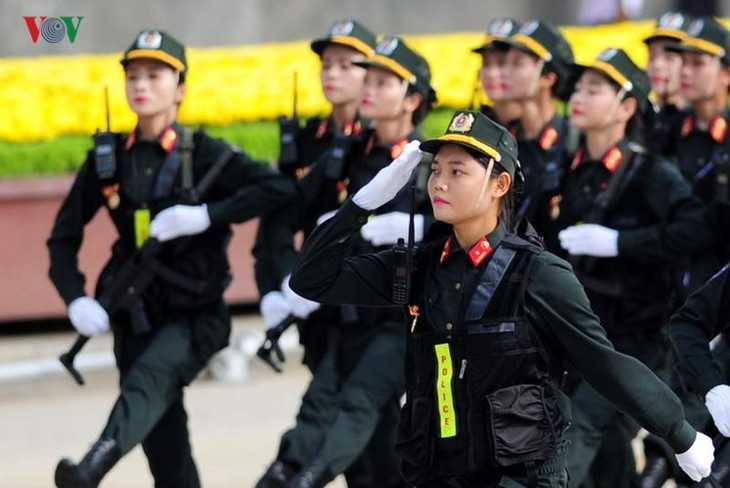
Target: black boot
(102,456)
(656,472)
(315,474)
(277,476)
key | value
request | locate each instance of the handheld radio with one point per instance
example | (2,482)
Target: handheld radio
(288,132)
(105,157)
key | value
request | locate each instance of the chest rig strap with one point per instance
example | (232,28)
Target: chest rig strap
(181,154)
(492,276)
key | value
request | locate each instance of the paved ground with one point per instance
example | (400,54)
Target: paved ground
(235,425)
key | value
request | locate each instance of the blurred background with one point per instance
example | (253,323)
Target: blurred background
(107,23)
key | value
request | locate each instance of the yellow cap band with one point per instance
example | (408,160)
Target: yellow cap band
(703,45)
(667,32)
(354,43)
(394,66)
(533,46)
(472,142)
(155,54)
(613,73)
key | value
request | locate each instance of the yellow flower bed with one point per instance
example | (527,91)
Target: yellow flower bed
(44,97)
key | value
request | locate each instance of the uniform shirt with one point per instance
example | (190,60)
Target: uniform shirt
(660,129)
(244,189)
(704,315)
(554,303)
(548,147)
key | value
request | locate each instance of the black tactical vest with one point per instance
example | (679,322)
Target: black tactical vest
(484,395)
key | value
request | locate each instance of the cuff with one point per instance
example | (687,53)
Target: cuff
(681,437)
(217,212)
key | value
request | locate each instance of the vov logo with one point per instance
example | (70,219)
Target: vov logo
(52,29)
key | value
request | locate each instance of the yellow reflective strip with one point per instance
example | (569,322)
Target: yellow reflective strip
(445,371)
(141,226)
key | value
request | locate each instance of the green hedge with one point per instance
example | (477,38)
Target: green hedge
(66,153)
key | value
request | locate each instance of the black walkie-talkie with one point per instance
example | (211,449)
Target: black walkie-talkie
(105,157)
(288,133)
(403,258)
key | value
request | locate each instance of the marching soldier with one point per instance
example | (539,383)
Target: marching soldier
(491,74)
(353,399)
(493,319)
(143,179)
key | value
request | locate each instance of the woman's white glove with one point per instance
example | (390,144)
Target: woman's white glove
(298,305)
(180,220)
(387,228)
(389,180)
(697,460)
(590,240)
(274,308)
(717,402)
(88,317)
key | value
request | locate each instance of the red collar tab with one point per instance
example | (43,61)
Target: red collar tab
(322,128)
(548,138)
(687,125)
(477,254)
(352,128)
(167,139)
(718,129)
(397,148)
(577,159)
(612,159)
(131,139)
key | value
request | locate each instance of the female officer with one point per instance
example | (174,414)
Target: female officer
(353,399)
(493,317)
(636,217)
(149,174)
(663,68)
(491,73)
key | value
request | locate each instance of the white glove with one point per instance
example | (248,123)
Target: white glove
(88,317)
(298,305)
(274,308)
(326,216)
(697,460)
(389,180)
(180,220)
(717,402)
(387,228)
(590,239)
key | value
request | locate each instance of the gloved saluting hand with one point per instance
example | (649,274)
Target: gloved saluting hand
(697,460)
(387,228)
(590,240)
(298,305)
(389,180)
(88,317)
(180,220)
(717,402)
(274,308)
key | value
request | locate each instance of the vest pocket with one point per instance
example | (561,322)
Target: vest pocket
(416,439)
(518,425)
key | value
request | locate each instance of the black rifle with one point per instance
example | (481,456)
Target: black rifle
(271,344)
(138,272)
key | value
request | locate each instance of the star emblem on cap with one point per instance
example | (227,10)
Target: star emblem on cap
(461,123)
(149,40)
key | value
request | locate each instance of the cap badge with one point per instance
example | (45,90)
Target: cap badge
(500,27)
(696,27)
(607,54)
(461,123)
(342,28)
(387,46)
(671,20)
(529,27)
(149,40)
